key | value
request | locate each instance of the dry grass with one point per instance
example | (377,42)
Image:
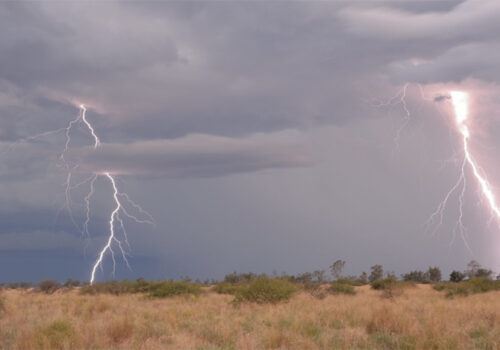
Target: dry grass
(419,318)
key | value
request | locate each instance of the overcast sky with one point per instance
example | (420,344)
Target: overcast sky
(260,135)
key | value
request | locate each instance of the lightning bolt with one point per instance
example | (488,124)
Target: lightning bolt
(116,223)
(115,214)
(460,102)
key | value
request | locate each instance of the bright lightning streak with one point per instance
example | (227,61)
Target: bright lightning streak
(114,217)
(115,214)
(116,222)
(460,104)
(459,100)
(84,119)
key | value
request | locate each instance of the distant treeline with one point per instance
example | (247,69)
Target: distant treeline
(307,280)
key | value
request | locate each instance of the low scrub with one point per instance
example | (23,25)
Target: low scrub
(228,288)
(386,283)
(472,286)
(265,290)
(338,287)
(173,288)
(48,286)
(111,287)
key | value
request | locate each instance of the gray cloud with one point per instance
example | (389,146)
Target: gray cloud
(197,156)
(193,101)
(39,240)
(478,61)
(469,20)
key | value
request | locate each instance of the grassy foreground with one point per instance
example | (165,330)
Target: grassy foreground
(419,318)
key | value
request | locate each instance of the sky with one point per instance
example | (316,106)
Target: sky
(261,136)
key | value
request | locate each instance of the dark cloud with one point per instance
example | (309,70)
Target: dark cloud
(242,126)
(441,98)
(196,156)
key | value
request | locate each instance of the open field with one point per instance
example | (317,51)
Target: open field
(420,318)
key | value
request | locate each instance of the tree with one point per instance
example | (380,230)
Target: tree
(482,272)
(377,273)
(363,278)
(434,274)
(337,268)
(71,283)
(390,274)
(305,277)
(473,267)
(319,276)
(476,270)
(456,276)
(415,276)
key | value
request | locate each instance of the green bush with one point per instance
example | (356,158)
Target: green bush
(173,288)
(341,288)
(111,287)
(315,289)
(464,288)
(228,288)
(384,284)
(265,290)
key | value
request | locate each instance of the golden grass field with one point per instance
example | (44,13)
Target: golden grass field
(420,318)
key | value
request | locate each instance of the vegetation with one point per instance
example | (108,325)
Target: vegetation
(174,288)
(112,287)
(48,286)
(341,288)
(465,288)
(336,268)
(250,311)
(227,288)
(422,319)
(384,284)
(377,273)
(432,275)
(265,290)
(456,276)
(152,288)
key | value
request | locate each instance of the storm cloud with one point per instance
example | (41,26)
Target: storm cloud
(258,134)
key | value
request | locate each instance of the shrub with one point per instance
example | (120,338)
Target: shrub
(71,283)
(472,286)
(315,289)
(456,276)
(384,284)
(434,274)
(239,277)
(111,287)
(416,276)
(341,288)
(227,288)
(377,272)
(173,288)
(265,290)
(49,286)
